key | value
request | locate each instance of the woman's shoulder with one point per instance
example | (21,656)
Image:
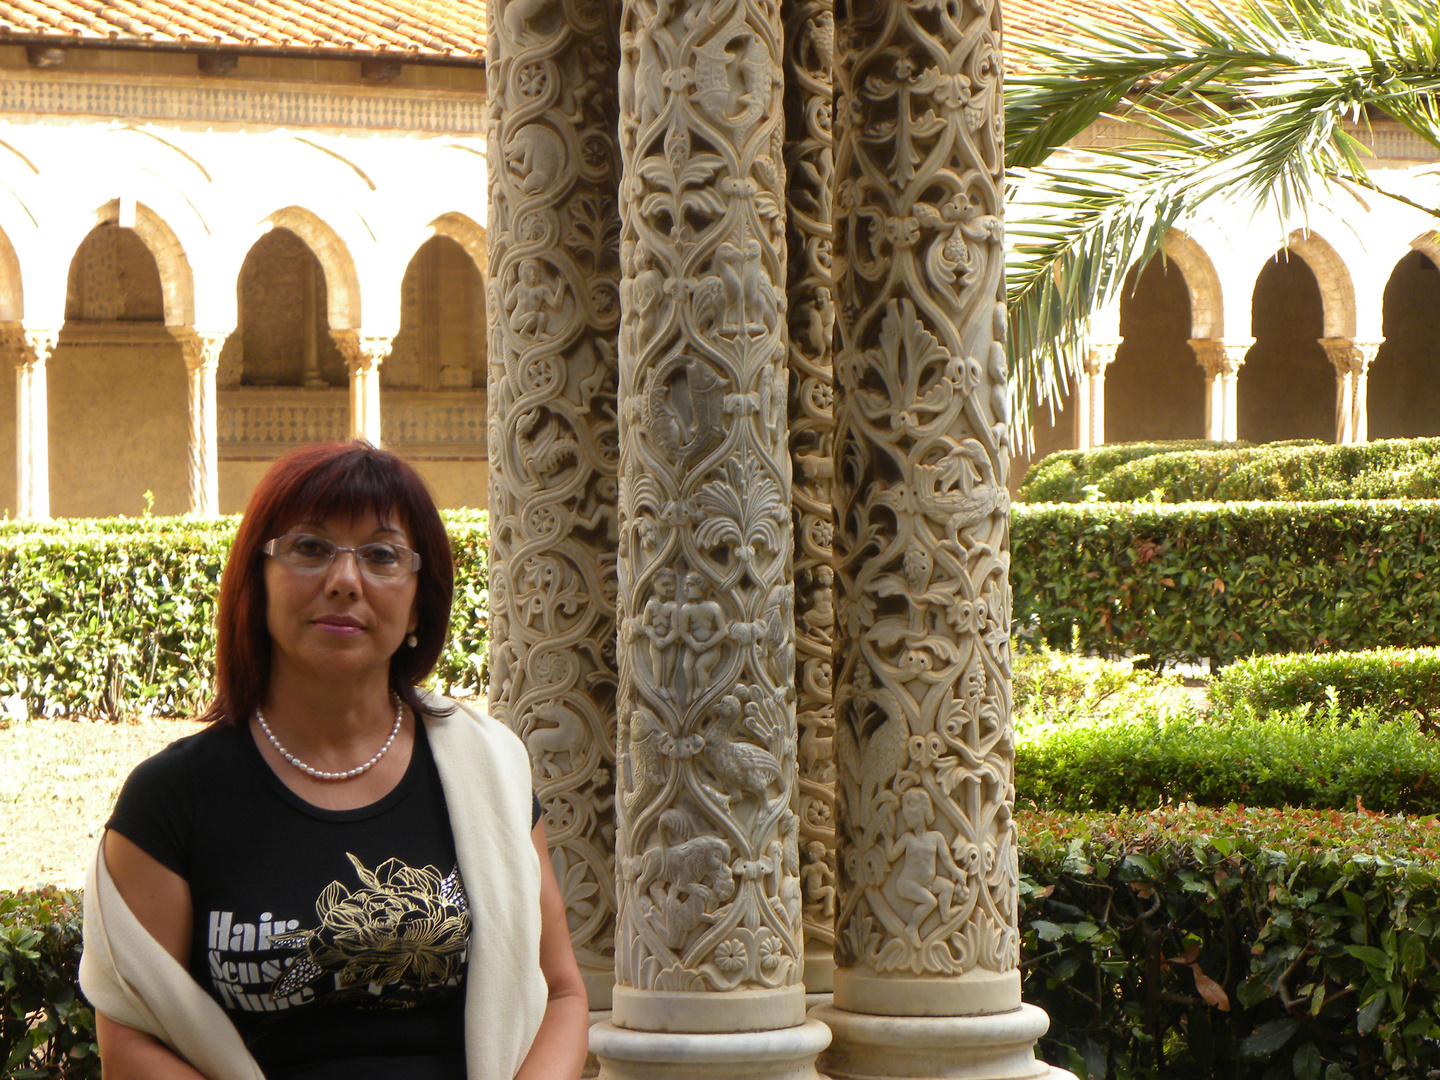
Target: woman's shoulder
(197,758)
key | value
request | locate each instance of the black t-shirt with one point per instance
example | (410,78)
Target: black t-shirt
(336,940)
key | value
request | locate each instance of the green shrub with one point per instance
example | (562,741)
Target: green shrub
(46,1030)
(1392,681)
(1234,944)
(1293,758)
(116,617)
(1218,582)
(1064,476)
(1056,687)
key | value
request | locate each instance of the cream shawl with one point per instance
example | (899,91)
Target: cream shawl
(485,773)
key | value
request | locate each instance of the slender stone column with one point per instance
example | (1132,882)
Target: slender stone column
(1361,411)
(31,350)
(202,361)
(809,161)
(554,262)
(1081,404)
(1222,361)
(1351,360)
(1231,363)
(363,355)
(1098,356)
(708,935)
(927,938)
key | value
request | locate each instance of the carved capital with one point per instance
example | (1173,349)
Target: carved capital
(1342,354)
(1219,357)
(28,348)
(201,348)
(1099,355)
(363,353)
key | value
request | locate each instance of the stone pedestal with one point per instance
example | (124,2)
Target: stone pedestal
(783,1054)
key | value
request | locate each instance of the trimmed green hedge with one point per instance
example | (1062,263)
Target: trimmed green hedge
(1393,681)
(46,1030)
(1234,944)
(1218,582)
(109,618)
(1335,759)
(1211,472)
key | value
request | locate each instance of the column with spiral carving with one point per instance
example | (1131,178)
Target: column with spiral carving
(708,935)
(553,434)
(927,938)
(363,355)
(202,361)
(30,350)
(809,162)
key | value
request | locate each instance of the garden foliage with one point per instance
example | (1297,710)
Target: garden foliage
(1394,681)
(1235,472)
(1234,944)
(46,1030)
(1222,581)
(116,617)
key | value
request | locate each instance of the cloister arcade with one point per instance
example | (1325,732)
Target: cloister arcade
(183,303)
(1327,332)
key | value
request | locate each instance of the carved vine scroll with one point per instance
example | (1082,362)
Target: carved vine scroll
(809,159)
(709,877)
(554,438)
(928,870)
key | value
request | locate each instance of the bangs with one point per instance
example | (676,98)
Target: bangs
(349,485)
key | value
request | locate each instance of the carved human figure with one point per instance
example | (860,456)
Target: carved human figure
(659,623)
(924,851)
(532,300)
(818,879)
(702,628)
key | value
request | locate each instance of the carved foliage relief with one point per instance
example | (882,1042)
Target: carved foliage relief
(553,438)
(709,874)
(928,870)
(809,158)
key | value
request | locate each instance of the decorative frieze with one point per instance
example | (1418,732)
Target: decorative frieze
(136,97)
(260,422)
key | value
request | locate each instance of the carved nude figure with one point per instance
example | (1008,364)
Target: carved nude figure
(818,879)
(659,623)
(923,850)
(702,628)
(531,301)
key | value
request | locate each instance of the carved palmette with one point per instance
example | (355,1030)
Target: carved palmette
(553,290)
(809,37)
(708,841)
(926,846)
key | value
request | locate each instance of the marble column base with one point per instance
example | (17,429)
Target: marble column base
(592,1063)
(996,1046)
(778,1054)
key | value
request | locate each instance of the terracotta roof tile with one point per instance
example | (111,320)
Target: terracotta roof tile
(453,28)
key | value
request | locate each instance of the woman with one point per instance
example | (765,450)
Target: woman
(334,879)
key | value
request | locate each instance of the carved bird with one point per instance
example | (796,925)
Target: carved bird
(741,766)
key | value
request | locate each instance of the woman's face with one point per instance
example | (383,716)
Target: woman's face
(335,622)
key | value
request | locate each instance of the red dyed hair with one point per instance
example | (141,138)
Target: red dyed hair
(315,483)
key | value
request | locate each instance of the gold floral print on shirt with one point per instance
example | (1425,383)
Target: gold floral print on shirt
(404,926)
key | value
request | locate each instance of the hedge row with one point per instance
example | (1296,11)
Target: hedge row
(1234,944)
(1211,472)
(1392,681)
(1218,582)
(1227,944)
(1333,759)
(112,618)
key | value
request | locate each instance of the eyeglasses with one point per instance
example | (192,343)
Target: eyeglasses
(306,554)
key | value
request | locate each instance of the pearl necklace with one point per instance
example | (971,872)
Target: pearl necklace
(319,774)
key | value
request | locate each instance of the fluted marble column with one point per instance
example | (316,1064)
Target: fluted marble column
(809,160)
(927,938)
(30,350)
(363,355)
(554,436)
(708,935)
(202,360)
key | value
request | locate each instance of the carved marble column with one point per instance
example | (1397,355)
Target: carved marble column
(809,162)
(553,242)
(1099,355)
(363,355)
(1351,360)
(927,938)
(708,934)
(1221,360)
(31,350)
(202,361)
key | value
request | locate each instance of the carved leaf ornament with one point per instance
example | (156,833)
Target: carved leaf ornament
(928,871)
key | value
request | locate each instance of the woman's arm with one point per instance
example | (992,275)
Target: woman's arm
(560,1046)
(160,899)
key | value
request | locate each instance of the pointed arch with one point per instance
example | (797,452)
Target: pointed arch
(469,234)
(342,281)
(1337,287)
(177,282)
(1202,281)
(12,290)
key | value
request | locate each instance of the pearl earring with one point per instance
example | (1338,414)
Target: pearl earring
(412,641)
